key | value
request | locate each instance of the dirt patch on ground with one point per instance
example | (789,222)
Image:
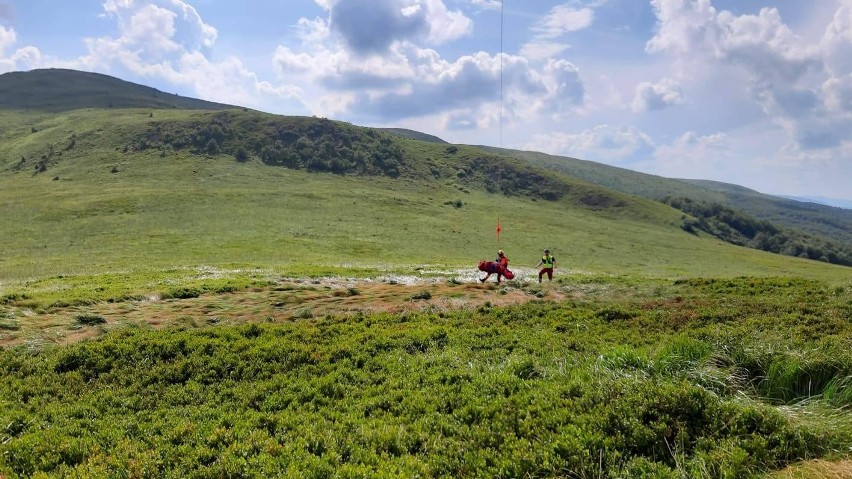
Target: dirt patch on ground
(287,300)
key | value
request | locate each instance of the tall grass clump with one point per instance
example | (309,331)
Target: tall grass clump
(788,375)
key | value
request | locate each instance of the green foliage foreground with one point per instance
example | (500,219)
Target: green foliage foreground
(696,378)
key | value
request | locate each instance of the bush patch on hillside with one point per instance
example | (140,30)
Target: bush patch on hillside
(293,142)
(738,228)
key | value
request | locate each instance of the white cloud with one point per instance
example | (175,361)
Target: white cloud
(657,96)
(838,94)
(313,31)
(716,156)
(462,120)
(168,39)
(112,7)
(338,70)
(8,37)
(794,80)
(24,58)
(720,156)
(690,150)
(446,25)
(565,88)
(837,39)
(192,30)
(437,85)
(206,34)
(681,25)
(374,26)
(153,28)
(564,19)
(390,77)
(542,50)
(603,143)
(488,4)
(560,21)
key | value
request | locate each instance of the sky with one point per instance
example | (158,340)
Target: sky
(751,92)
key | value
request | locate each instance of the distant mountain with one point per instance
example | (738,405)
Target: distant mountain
(837,203)
(619,179)
(415,135)
(822,221)
(55,90)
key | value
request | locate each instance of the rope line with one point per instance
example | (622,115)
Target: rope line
(501,75)
(500,123)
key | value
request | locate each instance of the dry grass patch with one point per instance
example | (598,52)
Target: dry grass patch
(817,469)
(285,301)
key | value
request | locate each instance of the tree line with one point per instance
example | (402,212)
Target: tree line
(736,227)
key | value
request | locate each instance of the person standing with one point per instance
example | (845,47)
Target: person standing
(549,263)
(502,259)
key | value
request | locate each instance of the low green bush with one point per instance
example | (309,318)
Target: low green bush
(579,389)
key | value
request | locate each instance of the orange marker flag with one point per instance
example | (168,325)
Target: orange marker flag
(498,229)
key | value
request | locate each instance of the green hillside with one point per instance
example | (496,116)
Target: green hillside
(824,222)
(84,192)
(619,179)
(94,191)
(56,90)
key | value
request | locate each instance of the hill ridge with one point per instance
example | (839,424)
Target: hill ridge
(823,221)
(57,89)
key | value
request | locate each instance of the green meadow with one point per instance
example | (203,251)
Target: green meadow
(172,312)
(151,214)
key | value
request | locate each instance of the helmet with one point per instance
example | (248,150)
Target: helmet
(500,252)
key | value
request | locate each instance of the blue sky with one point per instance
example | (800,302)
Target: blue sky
(752,92)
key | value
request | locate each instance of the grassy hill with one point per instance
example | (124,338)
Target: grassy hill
(824,222)
(56,90)
(619,179)
(90,191)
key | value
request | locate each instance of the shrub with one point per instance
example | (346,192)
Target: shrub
(182,293)
(90,319)
(9,325)
(422,295)
(242,154)
(212,147)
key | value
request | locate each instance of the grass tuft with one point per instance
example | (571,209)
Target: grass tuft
(90,319)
